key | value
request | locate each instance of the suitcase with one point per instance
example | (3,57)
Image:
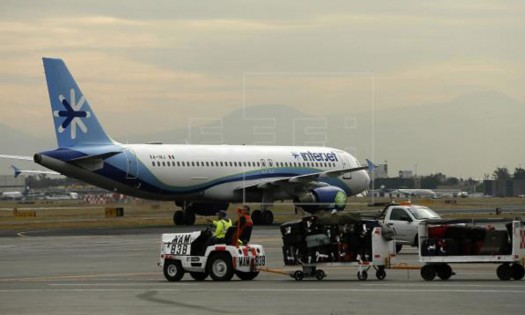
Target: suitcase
(289,240)
(317,255)
(477,233)
(448,247)
(429,247)
(458,233)
(289,255)
(310,226)
(496,243)
(317,240)
(437,231)
(292,228)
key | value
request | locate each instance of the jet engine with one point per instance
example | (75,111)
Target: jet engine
(322,198)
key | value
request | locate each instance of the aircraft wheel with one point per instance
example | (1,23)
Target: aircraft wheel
(444,272)
(504,272)
(246,275)
(428,272)
(189,218)
(267,217)
(178,217)
(363,275)
(320,274)
(220,267)
(398,247)
(173,270)
(256,217)
(199,276)
(517,271)
(298,275)
(381,273)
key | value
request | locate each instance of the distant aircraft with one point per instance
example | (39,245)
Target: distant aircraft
(202,179)
(423,193)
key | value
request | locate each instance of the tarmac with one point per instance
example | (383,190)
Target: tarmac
(114,271)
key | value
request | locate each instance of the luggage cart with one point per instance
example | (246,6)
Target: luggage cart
(375,253)
(443,242)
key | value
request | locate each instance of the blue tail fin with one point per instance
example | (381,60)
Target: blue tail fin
(75,121)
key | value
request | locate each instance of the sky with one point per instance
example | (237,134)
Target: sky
(159,65)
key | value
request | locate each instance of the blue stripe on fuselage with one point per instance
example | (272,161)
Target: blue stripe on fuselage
(115,169)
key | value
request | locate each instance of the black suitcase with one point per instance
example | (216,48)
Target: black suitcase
(289,255)
(458,233)
(429,247)
(291,239)
(477,233)
(495,243)
(449,247)
(292,228)
(310,225)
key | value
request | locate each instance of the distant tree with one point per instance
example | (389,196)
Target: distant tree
(501,173)
(431,181)
(452,181)
(519,173)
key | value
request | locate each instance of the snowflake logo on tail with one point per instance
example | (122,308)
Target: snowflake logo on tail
(73,114)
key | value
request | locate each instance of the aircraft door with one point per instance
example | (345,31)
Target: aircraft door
(132,164)
(346,164)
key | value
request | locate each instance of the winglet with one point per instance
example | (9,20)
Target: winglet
(17,171)
(371,165)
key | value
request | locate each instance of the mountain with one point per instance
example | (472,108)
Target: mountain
(466,137)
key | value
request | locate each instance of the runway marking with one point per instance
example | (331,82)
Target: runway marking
(287,290)
(49,278)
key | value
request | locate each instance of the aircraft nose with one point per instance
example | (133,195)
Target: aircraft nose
(361,182)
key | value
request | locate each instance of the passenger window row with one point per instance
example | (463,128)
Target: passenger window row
(238,164)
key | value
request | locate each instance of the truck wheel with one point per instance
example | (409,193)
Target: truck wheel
(199,276)
(178,217)
(504,272)
(220,267)
(398,247)
(428,272)
(173,270)
(517,271)
(246,275)
(189,218)
(267,217)
(444,272)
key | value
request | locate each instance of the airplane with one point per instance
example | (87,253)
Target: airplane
(201,179)
(422,193)
(19,171)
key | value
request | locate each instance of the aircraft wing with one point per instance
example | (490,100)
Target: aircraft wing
(302,179)
(19,171)
(17,157)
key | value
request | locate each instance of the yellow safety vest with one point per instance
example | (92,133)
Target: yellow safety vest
(221,226)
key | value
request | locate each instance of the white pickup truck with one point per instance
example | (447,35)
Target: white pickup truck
(404,219)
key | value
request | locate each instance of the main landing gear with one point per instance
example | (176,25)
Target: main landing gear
(184,216)
(181,217)
(264,217)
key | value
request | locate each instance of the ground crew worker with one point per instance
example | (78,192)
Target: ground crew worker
(221,226)
(244,226)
